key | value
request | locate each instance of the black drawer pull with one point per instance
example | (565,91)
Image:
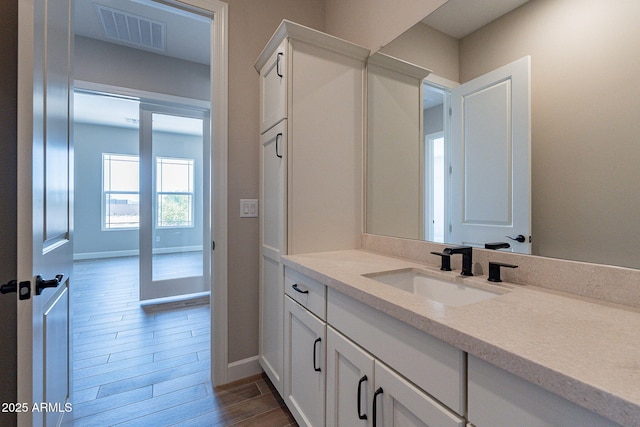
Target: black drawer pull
(297,289)
(360,414)
(375,397)
(315,352)
(278,72)
(278,136)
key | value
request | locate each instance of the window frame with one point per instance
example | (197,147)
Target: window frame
(103,194)
(191,171)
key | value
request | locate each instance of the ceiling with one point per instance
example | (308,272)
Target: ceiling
(186,35)
(459,18)
(173,32)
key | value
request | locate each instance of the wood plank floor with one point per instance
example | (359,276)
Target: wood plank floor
(149,365)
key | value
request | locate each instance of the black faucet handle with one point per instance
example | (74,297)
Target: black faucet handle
(445,263)
(457,250)
(494,270)
(497,245)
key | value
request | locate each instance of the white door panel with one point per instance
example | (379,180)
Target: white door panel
(45,204)
(174,202)
(490,158)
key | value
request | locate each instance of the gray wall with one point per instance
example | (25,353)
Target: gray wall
(251,24)
(100,62)
(93,140)
(8,195)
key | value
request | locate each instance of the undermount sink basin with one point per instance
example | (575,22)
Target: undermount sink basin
(446,292)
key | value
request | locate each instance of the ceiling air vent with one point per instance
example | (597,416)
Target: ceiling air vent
(132,29)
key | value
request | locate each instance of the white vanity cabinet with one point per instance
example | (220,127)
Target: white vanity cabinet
(499,398)
(311,124)
(305,346)
(412,379)
(304,364)
(350,382)
(363,391)
(272,246)
(431,364)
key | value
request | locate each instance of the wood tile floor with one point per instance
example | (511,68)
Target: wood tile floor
(149,366)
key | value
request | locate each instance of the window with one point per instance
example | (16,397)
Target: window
(174,192)
(120,191)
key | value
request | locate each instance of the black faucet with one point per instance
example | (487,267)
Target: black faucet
(494,270)
(467,258)
(445,263)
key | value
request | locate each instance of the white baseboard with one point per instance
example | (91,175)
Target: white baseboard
(133,252)
(107,254)
(243,368)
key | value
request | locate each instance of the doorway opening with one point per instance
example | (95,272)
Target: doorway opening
(436,161)
(143,190)
(142,252)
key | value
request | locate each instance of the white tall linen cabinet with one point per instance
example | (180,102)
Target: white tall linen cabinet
(311,139)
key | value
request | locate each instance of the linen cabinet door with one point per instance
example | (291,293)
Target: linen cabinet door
(273,88)
(349,382)
(272,246)
(304,362)
(397,402)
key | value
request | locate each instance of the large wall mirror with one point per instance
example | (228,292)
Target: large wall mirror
(584,151)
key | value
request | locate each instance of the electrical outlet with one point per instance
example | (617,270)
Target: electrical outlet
(248,208)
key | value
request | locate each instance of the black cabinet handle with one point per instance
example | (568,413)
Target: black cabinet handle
(375,397)
(360,414)
(315,352)
(278,136)
(278,64)
(297,289)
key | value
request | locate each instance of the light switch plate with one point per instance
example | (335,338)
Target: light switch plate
(248,208)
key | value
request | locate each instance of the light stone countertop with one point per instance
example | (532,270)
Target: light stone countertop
(585,351)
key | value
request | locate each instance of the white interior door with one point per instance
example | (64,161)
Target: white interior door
(45,204)
(175,251)
(490,158)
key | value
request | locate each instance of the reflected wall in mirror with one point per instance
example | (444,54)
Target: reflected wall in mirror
(585,131)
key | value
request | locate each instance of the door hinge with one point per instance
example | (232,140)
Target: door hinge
(450,111)
(213,245)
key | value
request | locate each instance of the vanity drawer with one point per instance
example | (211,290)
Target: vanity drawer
(306,291)
(433,365)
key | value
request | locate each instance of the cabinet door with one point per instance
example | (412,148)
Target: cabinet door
(305,345)
(273,88)
(396,402)
(272,245)
(349,382)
